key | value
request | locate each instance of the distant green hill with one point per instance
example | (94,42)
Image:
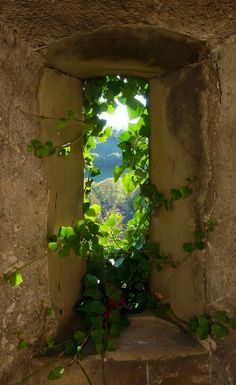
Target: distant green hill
(111,196)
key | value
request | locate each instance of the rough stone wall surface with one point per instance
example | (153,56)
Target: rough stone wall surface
(220,259)
(220,267)
(23,212)
(43,21)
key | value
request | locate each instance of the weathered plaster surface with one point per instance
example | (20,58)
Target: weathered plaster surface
(59,93)
(221,268)
(23,197)
(177,152)
(45,21)
(220,259)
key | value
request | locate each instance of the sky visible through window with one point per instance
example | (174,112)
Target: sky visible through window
(107,153)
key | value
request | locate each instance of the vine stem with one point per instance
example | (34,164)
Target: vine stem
(116,242)
(76,140)
(179,263)
(49,363)
(103,369)
(42,117)
(3,281)
(78,362)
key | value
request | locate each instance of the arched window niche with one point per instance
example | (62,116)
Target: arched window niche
(173,65)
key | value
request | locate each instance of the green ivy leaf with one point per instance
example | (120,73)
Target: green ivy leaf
(134,109)
(92,292)
(128,183)
(211,225)
(86,206)
(111,221)
(79,337)
(69,232)
(203,320)
(56,373)
(202,333)
(200,245)
(115,330)
(185,191)
(64,150)
(96,208)
(145,131)
(65,251)
(95,171)
(99,347)
(198,235)
(118,170)
(232,324)
(70,349)
(62,123)
(15,279)
(62,232)
(50,343)
(52,246)
(91,213)
(90,280)
(42,152)
(112,344)
(188,247)
(221,317)
(97,335)
(125,136)
(48,312)
(193,323)
(115,317)
(175,194)
(93,307)
(96,322)
(22,345)
(219,330)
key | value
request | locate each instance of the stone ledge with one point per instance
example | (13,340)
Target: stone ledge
(151,352)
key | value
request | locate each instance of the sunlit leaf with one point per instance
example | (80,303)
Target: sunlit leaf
(118,170)
(15,279)
(52,246)
(56,373)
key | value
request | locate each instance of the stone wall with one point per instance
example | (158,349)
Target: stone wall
(24,199)
(46,21)
(221,203)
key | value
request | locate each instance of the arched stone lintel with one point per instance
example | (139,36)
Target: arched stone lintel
(143,51)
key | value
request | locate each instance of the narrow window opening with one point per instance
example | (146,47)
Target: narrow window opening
(114,167)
